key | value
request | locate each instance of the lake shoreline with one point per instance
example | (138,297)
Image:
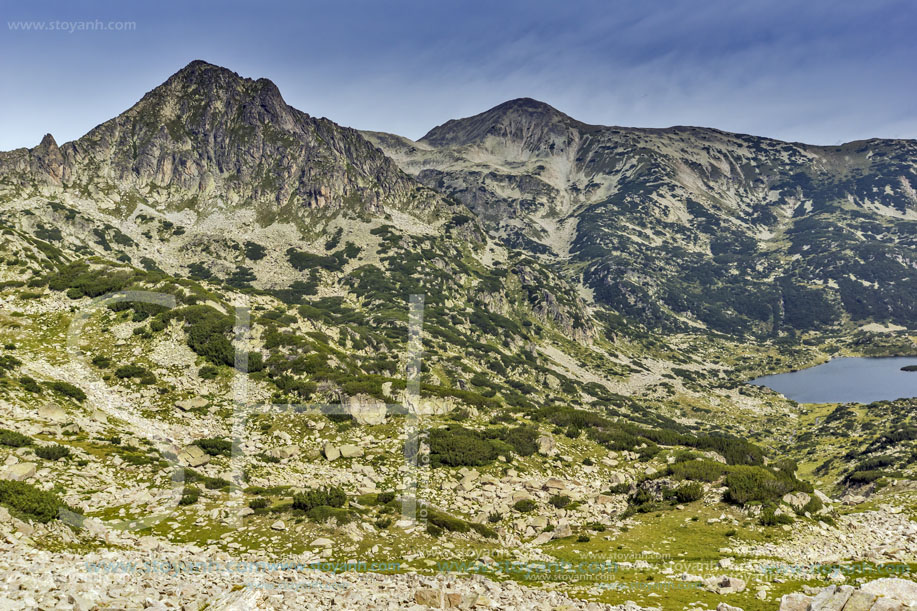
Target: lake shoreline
(846,379)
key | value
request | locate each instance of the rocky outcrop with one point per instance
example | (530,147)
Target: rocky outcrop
(193,456)
(366,410)
(209,134)
(886,594)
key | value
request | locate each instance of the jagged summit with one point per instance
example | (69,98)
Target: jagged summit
(216,136)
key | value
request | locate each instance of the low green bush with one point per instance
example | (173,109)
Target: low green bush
(385,497)
(525,505)
(8,363)
(215,483)
(317,497)
(190,495)
(137,459)
(456,446)
(447,522)
(746,484)
(134,371)
(523,439)
(483,530)
(560,500)
(14,439)
(383,523)
(215,446)
(52,452)
(769,517)
(813,506)
(865,477)
(687,493)
(323,513)
(67,389)
(699,470)
(102,362)
(29,385)
(27,502)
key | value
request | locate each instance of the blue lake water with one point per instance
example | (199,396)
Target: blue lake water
(847,380)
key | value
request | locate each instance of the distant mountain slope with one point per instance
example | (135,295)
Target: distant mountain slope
(688,224)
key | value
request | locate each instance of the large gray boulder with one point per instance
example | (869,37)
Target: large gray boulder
(365,410)
(795,602)
(725,584)
(901,590)
(52,413)
(187,405)
(546,445)
(351,451)
(20,471)
(193,456)
(331,451)
(283,453)
(860,601)
(832,598)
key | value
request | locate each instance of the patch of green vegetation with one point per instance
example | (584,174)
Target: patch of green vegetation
(52,452)
(14,439)
(317,497)
(67,389)
(135,371)
(79,280)
(456,446)
(215,446)
(27,502)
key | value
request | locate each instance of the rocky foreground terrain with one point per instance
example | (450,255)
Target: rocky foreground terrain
(217,391)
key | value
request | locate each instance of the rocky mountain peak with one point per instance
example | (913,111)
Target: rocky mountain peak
(523,122)
(200,87)
(216,137)
(48,143)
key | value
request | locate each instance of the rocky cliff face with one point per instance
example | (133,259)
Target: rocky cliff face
(208,133)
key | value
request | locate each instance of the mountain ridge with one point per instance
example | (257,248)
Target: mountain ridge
(668,201)
(211,133)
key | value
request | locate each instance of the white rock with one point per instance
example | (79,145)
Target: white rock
(20,471)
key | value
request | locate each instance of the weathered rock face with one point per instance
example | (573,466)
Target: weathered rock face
(546,445)
(216,136)
(901,590)
(331,451)
(52,413)
(186,405)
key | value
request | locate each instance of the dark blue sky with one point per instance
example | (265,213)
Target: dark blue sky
(814,71)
